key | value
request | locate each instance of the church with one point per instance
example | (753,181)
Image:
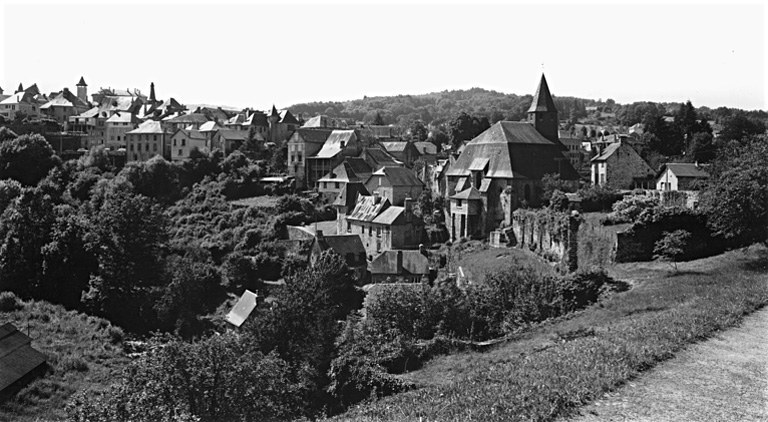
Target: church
(501,170)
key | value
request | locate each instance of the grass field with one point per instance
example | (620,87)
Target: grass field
(552,370)
(84,352)
(477,260)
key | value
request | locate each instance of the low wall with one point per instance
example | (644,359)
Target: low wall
(553,235)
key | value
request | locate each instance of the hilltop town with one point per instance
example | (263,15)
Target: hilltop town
(294,264)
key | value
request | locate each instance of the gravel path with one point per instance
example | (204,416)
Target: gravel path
(724,378)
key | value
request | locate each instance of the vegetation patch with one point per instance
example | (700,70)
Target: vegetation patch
(522,380)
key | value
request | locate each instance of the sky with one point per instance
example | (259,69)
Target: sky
(259,53)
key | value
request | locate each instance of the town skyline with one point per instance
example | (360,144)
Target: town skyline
(215,55)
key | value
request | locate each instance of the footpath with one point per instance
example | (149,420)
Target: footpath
(724,378)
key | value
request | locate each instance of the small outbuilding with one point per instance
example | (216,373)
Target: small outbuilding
(20,363)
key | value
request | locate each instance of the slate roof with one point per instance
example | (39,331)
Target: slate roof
(120,117)
(189,118)
(288,118)
(368,207)
(349,194)
(242,309)
(210,126)
(360,167)
(426,148)
(333,145)
(341,173)
(150,126)
(377,158)
(344,245)
(542,100)
(607,152)
(515,150)
(314,135)
(395,146)
(398,176)
(192,134)
(233,134)
(685,170)
(389,216)
(18,97)
(413,263)
(82,82)
(468,194)
(17,357)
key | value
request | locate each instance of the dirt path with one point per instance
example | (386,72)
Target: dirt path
(722,379)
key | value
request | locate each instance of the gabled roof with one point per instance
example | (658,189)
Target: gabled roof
(192,134)
(209,126)
(607,152)
(17,357)
(342,244)
(336,142)
(398,176)
(360,167)
(341,173)
(235,135)
(513,150)
(368,207)
(287,117)
(394,146)
(414,263)
(313,135)
(468,194)
(242,309)
(189,118)
(148,127)
(426,148)
(542,101)
(389,216)
(349,194)
(17,98)
(685,170)
(377,158)
(121,117)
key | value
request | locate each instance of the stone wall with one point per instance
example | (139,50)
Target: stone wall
(550,234)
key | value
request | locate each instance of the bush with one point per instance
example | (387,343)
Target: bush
(629,208)
(598,198)
(9,302)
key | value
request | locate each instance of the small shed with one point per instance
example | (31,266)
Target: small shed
(242,309)
(19,362)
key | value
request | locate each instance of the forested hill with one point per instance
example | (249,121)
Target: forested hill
(438,107)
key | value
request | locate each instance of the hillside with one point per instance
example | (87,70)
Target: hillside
(553,369)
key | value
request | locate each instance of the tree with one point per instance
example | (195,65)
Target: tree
(27,159)
(378,120)
(418,131)
(701,148)
(465,127)
(671,247)
(736,196)
(739,126)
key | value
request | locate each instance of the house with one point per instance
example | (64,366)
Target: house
(395,184)
(573,151)
(332,183)
(116,127)
(304,142)
(146,141)
(403,151)
(427,151)
(377,157)
(505,165)
(382,226)
(348,246)
(282,124)
(242,309)
(65,104)
(21,102)
(183,141)
(680,176)
(20,363)
(325,121)
(619,166)
(228,140)
(399,266)
(250,120)
(184,121)
(92,123)
(345,203)
(339,145)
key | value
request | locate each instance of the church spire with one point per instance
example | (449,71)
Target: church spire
(542,101)
(152,92)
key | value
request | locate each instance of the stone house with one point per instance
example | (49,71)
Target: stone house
(395,184)
(399,266)
(345,203)
(382,226)
(228,140)
(332,183)
(680,176)
(339,145)
(619,166)
(403,151)
(21,101)
(305,142)
(348,246)
(183,141)
(146,141)
(117,126)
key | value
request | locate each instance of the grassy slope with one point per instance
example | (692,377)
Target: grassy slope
(561,365)
(84,352)
(477,261)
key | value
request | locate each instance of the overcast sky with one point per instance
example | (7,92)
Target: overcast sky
(255,54)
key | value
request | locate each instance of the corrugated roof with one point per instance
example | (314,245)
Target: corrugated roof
(368,207)
(242,309)
(514,150)
(17,357)
(333,145)
(686,170)
(389,216)
(398,176)
(414,263)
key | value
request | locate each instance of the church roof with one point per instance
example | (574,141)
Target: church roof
(542,101)
(512,150)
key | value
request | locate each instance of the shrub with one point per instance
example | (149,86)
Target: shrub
(598,198)
(671,247)
(629,208)
(9,302)
(73,363)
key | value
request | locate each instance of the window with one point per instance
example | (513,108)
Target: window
(337,185)
(154,147)
(146,147)
(183,142)
(378,231)
(458,202)
(155,138)
(131,147)
(174,142)
(180,153)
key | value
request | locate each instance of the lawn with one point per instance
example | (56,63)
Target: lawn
(84,352)
(552,370)
(476,259)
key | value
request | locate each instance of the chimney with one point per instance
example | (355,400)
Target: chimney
(423,250)
(408,205)
(399,262)
(376,197)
